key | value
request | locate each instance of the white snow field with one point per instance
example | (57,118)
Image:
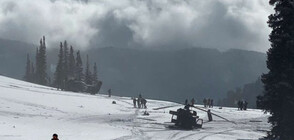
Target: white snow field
(33,112)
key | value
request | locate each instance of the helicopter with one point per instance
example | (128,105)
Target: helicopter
(186,118)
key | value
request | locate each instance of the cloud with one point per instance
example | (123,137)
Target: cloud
(219,24)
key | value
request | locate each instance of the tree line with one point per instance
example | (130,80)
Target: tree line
(69,74)
(248,93)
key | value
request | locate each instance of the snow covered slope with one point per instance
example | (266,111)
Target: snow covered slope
(33,112)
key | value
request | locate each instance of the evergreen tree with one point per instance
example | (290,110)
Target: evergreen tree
(71,63)
(37,64)
(79,68)
(278,97)
(65,61)
(41,75)
(27,76)
(88,75)
(95,76)
(59,73)
(32,72)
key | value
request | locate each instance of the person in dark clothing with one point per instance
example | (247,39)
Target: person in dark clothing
(186,102)
(240,105)
(205,102)
(245,103)
(139,102)
(211,103)
(134,102)
(109,93)
(208,103)
(192,102)
(143,103)
(55,137)
(209,115)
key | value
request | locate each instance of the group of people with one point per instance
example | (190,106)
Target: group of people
(208,102)
(242,105)
(192,102)
(139,102)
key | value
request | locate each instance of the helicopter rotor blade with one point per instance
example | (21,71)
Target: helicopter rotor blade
(164,107)
(213,114)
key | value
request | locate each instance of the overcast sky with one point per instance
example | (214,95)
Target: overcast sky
(221,24)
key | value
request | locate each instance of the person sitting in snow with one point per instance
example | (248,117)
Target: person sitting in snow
(55,137)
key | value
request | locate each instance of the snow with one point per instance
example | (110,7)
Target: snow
(33,112)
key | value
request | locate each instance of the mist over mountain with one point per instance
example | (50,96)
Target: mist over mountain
(221,24)
(174,74)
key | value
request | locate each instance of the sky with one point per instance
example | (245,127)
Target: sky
(221,24)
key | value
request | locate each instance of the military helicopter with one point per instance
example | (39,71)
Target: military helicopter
(185,118)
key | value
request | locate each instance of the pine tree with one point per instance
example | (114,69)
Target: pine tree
(278,97)
(33,79)
(41,75)
(27,76)
(59,73)
(65,61)
(71,63)
(79,76)
(88,75)
(95,76)
(36,65)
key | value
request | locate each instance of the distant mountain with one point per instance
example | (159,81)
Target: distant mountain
(177,74)
(174,74)
(13,57)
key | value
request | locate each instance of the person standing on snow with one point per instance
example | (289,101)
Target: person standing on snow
(134,102)
(209,115)
(204,102)
(192,102)
(55,137)
(109,93)
(208,103)
(143,103)
(186,102)
(245,103)
(211,103)
(139,101)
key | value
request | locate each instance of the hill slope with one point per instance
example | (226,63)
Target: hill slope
(29,111)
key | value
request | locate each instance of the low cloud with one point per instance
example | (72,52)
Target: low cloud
(221,24)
